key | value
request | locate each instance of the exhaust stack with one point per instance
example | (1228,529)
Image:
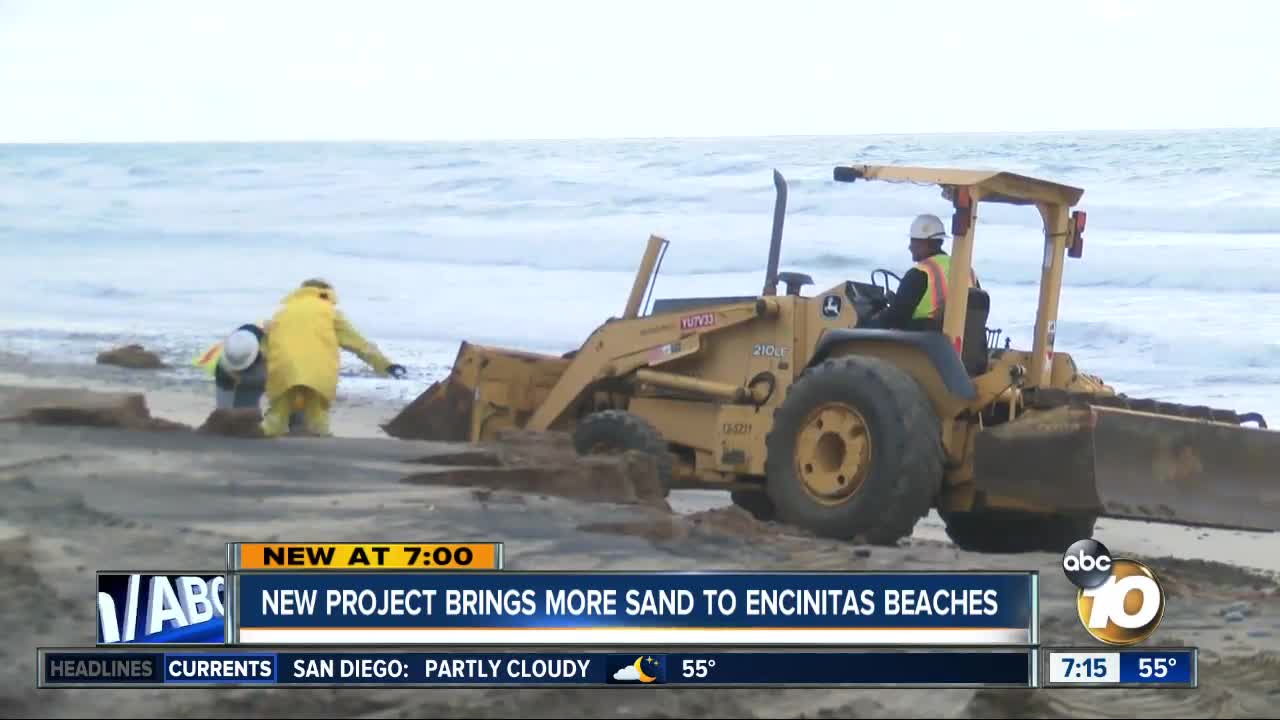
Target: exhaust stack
(775,241)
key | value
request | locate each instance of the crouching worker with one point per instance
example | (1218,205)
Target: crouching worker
(239,368)
(307,333)
(241,374)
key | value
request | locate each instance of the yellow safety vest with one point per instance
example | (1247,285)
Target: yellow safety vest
(937,269)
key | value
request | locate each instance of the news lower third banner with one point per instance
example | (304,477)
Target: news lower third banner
(225,667)
(638,608)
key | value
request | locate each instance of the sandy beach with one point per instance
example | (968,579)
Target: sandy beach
(80,499)
(189,402)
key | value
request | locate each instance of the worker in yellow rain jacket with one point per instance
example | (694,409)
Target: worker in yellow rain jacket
(303,342)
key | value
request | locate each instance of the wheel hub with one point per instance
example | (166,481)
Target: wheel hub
(833,453)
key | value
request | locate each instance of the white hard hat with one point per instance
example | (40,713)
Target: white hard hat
(927,227)
(240,350)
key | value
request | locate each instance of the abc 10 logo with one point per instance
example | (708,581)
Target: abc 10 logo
(1119,600)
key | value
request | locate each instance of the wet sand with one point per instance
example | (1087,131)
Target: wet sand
(78,499)
(173,395)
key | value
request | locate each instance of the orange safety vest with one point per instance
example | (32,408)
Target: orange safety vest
(937,269)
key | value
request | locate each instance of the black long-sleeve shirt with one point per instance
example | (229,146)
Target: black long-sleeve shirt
(914,284)
(910,290)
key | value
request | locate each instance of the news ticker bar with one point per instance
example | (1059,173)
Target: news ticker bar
(265,557)
(291,667)
(906,667)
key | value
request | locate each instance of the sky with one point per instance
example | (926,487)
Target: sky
(248,70)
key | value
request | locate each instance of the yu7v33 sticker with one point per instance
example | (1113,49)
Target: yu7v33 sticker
(701,320)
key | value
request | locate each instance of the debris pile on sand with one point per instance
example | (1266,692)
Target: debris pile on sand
(521,460)
(234,422)
(134,357)
(528,447)
(733,520)
(72,406)
(545,463)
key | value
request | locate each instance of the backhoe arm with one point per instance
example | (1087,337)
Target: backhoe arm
(620,347)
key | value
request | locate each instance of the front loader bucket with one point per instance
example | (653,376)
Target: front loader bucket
(1160,467)
(488,390)
(441,412)
(1043,460)
(1130,464)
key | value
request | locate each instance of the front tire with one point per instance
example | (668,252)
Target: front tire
(615,431)
(855,452)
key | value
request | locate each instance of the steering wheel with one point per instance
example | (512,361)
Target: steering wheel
(887,274)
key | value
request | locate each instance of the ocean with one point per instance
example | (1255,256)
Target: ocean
(533,244)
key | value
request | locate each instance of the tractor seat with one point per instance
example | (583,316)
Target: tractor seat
(975,355)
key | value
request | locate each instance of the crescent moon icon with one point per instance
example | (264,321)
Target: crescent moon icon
(643,677)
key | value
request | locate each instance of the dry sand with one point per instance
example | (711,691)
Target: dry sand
(76,500)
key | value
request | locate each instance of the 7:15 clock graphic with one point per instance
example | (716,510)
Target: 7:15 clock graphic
(1172,667)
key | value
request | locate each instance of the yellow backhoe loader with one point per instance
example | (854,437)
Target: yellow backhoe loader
(809,417)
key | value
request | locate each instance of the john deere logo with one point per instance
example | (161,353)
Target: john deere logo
(1119,600)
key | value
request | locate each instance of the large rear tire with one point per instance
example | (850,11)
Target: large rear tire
(1010,531)
(855,452)
(614,431)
